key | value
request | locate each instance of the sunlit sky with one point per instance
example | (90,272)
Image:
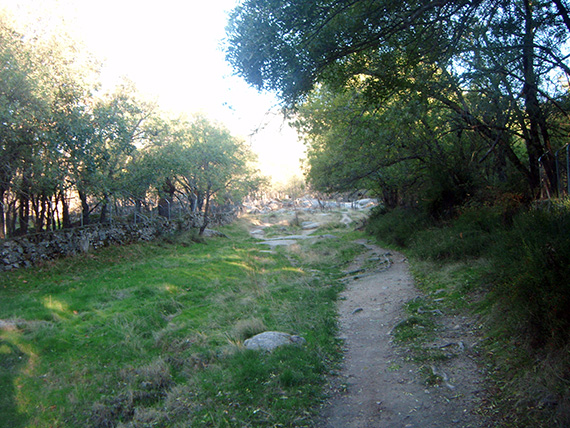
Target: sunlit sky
(172,50)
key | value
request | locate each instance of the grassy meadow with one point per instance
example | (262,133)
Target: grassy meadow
(151,335)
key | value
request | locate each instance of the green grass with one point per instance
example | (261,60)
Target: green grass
(151,334)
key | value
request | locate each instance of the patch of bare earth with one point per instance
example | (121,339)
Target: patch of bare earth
(378,387)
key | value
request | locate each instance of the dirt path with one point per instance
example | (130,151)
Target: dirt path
(377,388)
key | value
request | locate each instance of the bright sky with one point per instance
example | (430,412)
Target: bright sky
(171,50)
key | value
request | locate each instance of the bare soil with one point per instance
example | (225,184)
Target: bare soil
(378,387)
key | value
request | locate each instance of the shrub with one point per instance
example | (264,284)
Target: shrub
(469,236)
(532,269)
(397,227)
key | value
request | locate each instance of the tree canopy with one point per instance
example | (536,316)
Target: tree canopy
(487,79)
(63,140)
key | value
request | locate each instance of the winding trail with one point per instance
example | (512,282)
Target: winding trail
(377,388)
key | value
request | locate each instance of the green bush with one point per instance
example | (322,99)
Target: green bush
(468,236)
(397,227)
(532,271)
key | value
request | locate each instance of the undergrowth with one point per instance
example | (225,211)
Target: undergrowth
(511,270)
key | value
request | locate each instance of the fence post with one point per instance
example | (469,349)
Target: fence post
(568,167)
(4,227)
(558,189)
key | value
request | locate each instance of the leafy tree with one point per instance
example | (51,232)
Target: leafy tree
(17,100)
(43,95)
(118,127)
(494,65)
(219,165)
(399,150)
(197,162)
(62,139)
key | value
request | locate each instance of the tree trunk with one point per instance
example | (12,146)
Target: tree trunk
(390,197)
(2,215)
(165,202)
(206,213)
(104,210)
(563,12)
(24,212)
(64,211)
(538,140)
(199,201)
(84,207)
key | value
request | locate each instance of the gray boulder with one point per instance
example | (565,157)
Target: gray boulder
(208,233)
(269,340)
(308,225)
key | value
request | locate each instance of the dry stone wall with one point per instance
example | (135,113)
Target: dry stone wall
(32,249)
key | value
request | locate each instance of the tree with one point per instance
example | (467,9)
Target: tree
(18,107)
(61,138)
(43,97)
(404,151)
(216,163)
(463,56)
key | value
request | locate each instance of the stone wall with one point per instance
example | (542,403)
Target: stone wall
(31,249)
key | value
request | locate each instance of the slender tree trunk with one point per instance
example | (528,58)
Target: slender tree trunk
(66,220)
(538,140)
(2,215)
(40,206)
(193,202)
(84,207)
(199,201)
(206,214)
(104,209)
(563,12)
(24,210)
(165,202)
(11,218)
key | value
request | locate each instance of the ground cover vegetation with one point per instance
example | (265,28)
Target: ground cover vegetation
(151,334)
(66,142)
(454,113)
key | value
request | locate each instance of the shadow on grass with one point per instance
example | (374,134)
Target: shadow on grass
(12,361)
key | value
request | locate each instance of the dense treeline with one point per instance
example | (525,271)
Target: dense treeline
(431,101)
(456,113)
(65,143)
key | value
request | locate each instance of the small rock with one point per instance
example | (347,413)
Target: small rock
(307,225)
(209,233)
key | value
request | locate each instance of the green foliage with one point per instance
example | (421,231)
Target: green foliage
(151,334)
(62,138)
(529,261)
(446,97)
(532,262)
(469,236)
(397,227)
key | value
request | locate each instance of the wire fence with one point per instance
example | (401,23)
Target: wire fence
(562,160)
(561,186)
(117,212)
